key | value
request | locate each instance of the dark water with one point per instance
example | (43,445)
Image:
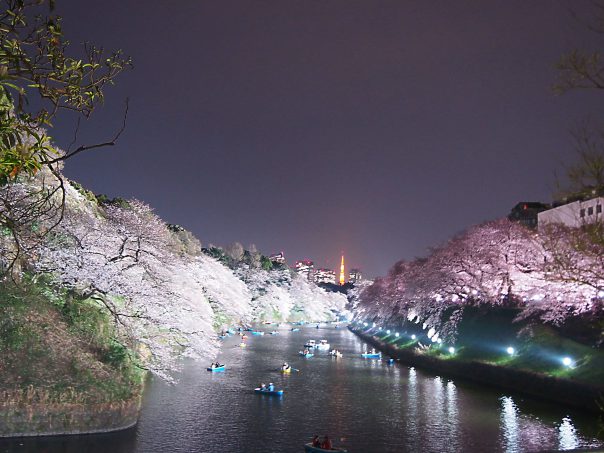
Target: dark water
(365,405)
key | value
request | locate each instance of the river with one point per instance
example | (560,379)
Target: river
(365,405)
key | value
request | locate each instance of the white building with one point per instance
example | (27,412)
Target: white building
(325,276)
(278,258)
(355,276)
(574,214)
(305,267)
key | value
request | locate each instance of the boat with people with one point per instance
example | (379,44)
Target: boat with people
(310,449)
(286,368)
(269,390)
(306,354)
(323,345)
(335,353)
(274,332)
(216,367)
(310,344)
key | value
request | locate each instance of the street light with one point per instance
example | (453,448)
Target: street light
(388,332)
(396,335)
(413,337)
(452,350)
(567,361)
(510,350)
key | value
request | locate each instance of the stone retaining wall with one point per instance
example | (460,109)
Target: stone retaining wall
(55,419)
(564,391)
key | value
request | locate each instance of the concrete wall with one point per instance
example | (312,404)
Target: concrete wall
(54,419)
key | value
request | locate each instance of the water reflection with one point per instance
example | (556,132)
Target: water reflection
(567,435)
(452,415)
(509,425)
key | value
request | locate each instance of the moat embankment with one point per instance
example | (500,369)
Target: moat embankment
(564,391)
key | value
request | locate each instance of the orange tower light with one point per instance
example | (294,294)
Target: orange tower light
(342,278)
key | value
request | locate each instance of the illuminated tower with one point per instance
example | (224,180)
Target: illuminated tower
(342,272)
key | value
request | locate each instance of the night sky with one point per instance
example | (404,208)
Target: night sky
(379,128)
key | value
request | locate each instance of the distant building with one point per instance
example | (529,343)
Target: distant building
(574,214)
(355,276)
(527,212)
(325,276)
(305,268)
(278,258)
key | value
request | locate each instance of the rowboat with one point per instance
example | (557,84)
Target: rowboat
(286,370)
(217,368)
(323,345)
(274,332)
(376,355)
(310,449)
(256,332)
(295,329)
(268,392)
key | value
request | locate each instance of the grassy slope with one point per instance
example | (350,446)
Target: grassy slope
(58,349)
(542,353)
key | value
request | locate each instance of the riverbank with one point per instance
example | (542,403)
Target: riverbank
(64,369)
(564,391)
(17,420)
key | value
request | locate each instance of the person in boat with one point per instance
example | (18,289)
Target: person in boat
(263,387)
(271,387)
(326,444)
(306,351)
(285,366)
(316,442)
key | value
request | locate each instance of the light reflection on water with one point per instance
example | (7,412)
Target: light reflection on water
(367,405)
(509,425)
(567,435)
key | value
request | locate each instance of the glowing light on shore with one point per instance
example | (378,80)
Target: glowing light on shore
(396,335)
(567,361)
(413,337)
(452,350)
(510,350)
(388,332)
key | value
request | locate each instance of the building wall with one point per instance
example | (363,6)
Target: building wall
(574,214)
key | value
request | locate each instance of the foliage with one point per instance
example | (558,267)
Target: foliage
(39,78)
(580,70)
(497,264)
(35,60)
(66,348)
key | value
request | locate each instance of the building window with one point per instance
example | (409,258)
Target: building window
(599,209)
(590,210)
(582,213)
